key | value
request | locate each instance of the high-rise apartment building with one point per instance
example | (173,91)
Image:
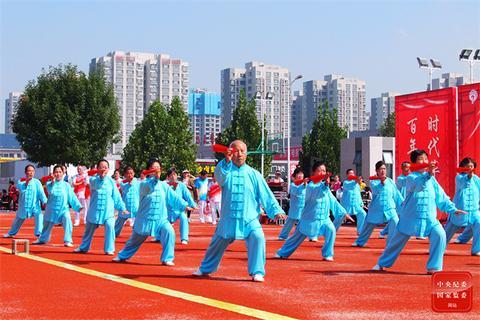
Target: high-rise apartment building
(380,108)
(204,112)
(11,109)
(448,80)
(347,95)
(138,80)
(268,84)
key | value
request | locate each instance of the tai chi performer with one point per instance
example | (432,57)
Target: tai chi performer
(418,215)
(31,197)
(315,218)
(244,190)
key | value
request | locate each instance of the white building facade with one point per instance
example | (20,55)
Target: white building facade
(138,80)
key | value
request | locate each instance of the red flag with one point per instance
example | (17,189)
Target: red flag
(352,177)
(319,177)
(46,178)
(465,170)
(418,166)
(150,171)
(93,172)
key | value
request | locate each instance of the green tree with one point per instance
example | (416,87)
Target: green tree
(164,133)
(66,117)
(387,129)
(323,141)
(245,126)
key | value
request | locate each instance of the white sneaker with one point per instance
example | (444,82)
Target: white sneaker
(117,259)
(378,268)
(109,253)
(329,259)
(476,254)
(355,244)
(202,220)
(214,222)
(77,223)
(457,241)
(314,240)
(68,244)
(258,278)
(38,242)
(155,241)
(421,238)
(168,263)
(7,235)
(281,239)
(381,236)
(78,250)
(198,273)
(184,242)
(431,271)
(189,219)
(277,256)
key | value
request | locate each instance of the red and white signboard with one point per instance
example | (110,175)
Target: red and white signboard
(427,120)
(469,121)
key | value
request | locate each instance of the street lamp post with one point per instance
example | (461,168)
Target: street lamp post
(268,96)
(288,129)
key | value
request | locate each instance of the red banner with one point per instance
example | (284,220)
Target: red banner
(294,154)
(427,120)
(469,121)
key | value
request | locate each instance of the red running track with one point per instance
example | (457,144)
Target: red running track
(303,286)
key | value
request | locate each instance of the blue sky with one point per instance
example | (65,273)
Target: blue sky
(377,41)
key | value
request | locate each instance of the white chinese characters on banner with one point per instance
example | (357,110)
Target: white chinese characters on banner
(433,127)
(413,125)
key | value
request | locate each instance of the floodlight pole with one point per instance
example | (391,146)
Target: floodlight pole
(288,128)
(470,63)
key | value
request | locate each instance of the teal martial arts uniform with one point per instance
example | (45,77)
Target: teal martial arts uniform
(60,197)
(386,203)
(418,217)
(31,196)
(243,191)
(465,236)
(467,198)
(174,215)
(402,187)
(131,198)
(297,203)
(152,219)
(104,198)
(353,204)
(315,220)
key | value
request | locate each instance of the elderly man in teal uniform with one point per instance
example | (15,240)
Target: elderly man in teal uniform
(243,191)
(385,205)
(352,202)
(103,199)
(467,198)
(315,218)
(130,188)
(152,216)
(418,216)
(60,198)
(31,196)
